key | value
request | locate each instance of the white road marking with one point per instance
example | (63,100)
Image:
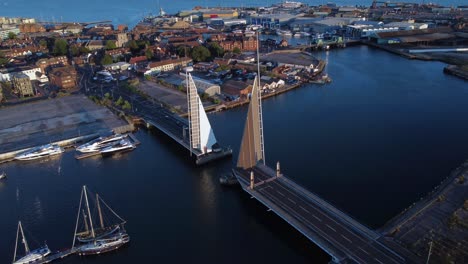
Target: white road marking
(317,218)
(292,201)
(304,209)
(331,228)
(379,261)
(280,193)
(346,238)
(364,251)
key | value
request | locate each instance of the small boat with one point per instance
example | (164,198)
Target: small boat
(31,256)
(96,240)
(100,143)
(40,152)
(122,145)
(285,33)
(3,175)
(228,179)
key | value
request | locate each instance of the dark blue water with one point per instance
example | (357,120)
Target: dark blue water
(379,137)
(130,12)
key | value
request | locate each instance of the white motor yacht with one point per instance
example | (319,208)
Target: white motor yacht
(40,152)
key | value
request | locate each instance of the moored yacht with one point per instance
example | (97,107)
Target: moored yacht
(40,152)
(122,145)
(101,237)
(31,256)
(100,143)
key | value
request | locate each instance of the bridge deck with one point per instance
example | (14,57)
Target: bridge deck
(336,233)
(174,126)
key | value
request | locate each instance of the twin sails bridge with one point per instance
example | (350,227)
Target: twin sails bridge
(195,133)
(342,237)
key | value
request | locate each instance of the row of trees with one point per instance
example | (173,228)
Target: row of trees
(202,53)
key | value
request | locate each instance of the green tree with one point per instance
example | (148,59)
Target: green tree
(200,53)
(110,44)
(119,101)
(107,59)
(75,51)
(216,50)
(84,50)
(149,54)
(11,35)
(133,45)
(181,50)
(236,50)
(3,60)
(126,105)
(60,47)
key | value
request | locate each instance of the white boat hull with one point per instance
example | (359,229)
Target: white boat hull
(34,256)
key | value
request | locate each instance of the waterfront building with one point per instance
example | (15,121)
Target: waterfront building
(203,86)
(418,36)
(407,25)
(365,29)
(330,24)
(63,77)
(236,89)
(271,20)
(22,84)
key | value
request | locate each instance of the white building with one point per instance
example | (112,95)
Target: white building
(4,31)
(5,75)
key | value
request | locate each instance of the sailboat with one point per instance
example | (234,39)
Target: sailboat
(31,256)
(102,238)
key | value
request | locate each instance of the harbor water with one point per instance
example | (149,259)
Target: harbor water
(385,132)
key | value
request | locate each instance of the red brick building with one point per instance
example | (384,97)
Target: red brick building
(244,44)
(64,77)
(46,64)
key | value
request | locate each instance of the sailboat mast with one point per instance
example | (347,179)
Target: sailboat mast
(99,211)
(89,212)
(85,221)
(77,220)
(16,244)
(24,238)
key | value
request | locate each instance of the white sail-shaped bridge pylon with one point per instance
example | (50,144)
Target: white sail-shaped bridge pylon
(201,133)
